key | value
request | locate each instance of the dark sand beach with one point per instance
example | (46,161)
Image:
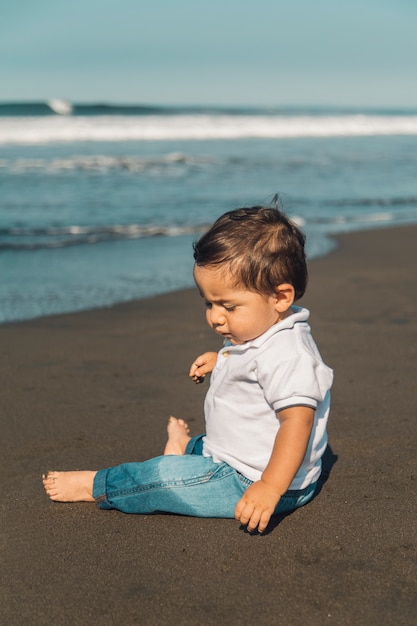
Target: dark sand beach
(94,389)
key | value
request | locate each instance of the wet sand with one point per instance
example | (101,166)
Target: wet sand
(94,389)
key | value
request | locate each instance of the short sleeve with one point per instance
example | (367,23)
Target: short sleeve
(301,380)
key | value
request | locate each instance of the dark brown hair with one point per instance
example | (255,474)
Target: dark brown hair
(260,245)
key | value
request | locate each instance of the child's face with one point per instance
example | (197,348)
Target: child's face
(234,312)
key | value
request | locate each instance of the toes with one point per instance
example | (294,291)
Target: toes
(50,489)
(49,479)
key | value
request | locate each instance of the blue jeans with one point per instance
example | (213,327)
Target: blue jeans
(189,484)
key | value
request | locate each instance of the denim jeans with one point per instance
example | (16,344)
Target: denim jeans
(189,484)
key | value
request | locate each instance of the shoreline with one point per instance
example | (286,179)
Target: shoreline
(95,388)
(336,240)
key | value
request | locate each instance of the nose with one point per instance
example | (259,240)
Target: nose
(216,316)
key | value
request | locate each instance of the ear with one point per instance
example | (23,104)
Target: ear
(284,297)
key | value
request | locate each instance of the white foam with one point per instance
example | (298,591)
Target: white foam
(61,107)
(42,130)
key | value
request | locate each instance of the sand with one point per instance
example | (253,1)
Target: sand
(94,389)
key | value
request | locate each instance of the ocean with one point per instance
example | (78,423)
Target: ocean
(100,204)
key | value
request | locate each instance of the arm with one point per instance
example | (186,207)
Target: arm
(260,499)
(203,364)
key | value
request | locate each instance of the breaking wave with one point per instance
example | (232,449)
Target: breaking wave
(21,238)
(39,130)
(26,238)
(102,163)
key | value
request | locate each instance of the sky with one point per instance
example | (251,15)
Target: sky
(218,52)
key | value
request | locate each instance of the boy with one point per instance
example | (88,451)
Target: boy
(268,403)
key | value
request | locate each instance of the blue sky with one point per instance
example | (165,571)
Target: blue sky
(233,52)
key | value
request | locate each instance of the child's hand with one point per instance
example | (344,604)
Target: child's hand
(203,364)
(256,506)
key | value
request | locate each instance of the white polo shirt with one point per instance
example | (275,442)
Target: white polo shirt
(251,382)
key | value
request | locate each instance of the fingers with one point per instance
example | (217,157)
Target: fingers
(252,517)
(247,515)
(194,367)
(199,368)
(256,521)
(196,373)
(239,510)
(264,521)
(253,521)
(203,364)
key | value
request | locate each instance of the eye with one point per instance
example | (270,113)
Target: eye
(207,304)
(229,309)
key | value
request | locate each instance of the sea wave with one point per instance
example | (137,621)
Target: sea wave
(21,238)
(103,163)
(357,202)
(58,106)
(34,130)
(37,238)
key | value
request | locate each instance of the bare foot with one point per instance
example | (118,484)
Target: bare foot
(69,486)
(178,436)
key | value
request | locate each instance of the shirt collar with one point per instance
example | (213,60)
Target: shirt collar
(299,314)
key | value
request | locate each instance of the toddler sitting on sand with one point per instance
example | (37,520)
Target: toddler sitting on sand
(268,402)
